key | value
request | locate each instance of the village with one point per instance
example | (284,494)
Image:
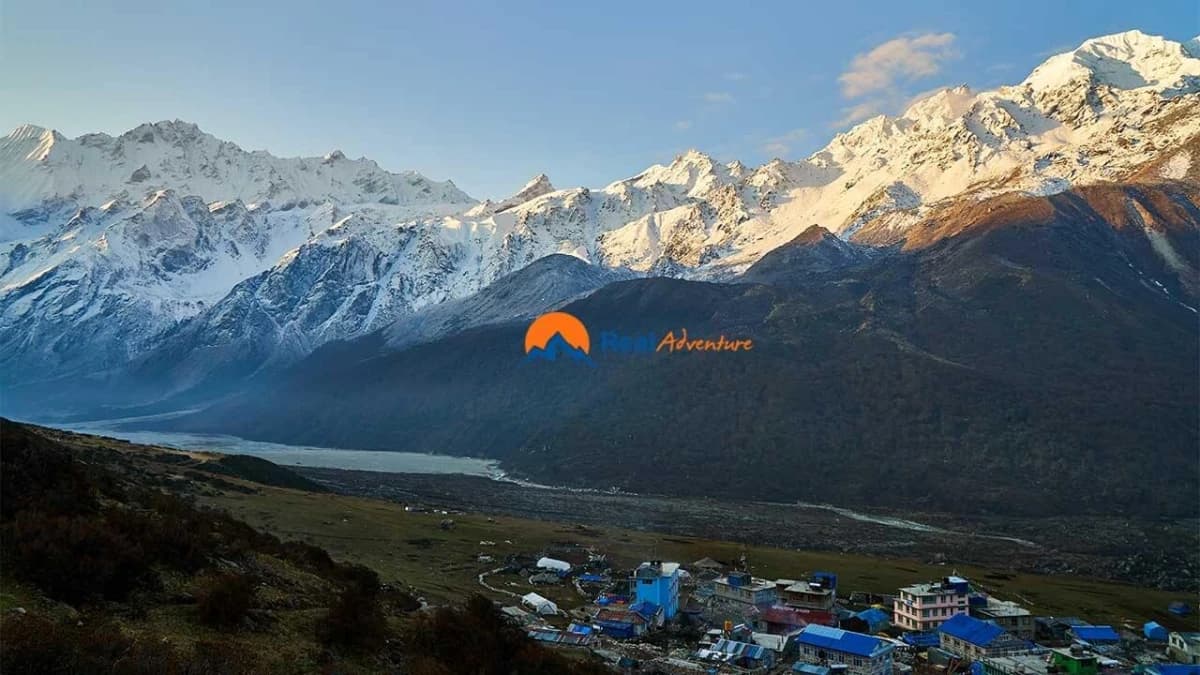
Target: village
(711,616)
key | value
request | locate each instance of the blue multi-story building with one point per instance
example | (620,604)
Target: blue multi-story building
(974,639)
(860,654)
(658,582)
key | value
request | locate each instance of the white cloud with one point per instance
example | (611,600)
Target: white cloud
(781,145)
(718,97)
(881,78)
(898,60)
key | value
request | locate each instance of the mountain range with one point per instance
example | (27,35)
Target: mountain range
(996,287)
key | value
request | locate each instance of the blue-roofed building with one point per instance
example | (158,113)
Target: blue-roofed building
(560,637)
(1094,635)
(810,669)
(652,613)
(922,639)
(658,582)
(972,638)
(875,619)
(622,624)
(1054,629)
(861,654)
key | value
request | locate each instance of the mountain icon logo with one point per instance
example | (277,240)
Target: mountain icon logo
(556,334)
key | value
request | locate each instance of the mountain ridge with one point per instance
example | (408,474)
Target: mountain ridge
(1030,349)
(152,234)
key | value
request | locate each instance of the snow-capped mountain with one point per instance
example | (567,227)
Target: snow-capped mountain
(536,187)
(44,174)
(1099,113)
(548,283)
(108,244)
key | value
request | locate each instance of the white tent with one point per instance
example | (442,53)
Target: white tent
(556,565)
(539,604)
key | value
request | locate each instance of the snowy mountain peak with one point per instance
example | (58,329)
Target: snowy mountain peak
(536,187)
(944,104)
(26,132)
(1192,47)
(28,142)
(1129,60)
(109,242)
(693,171)
(39,167)
(694,160)
(693,156)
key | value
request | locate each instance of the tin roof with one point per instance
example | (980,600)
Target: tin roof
(1095,633)
(972,630)
(836,639)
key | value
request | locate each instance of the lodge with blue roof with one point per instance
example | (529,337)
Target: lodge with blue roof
(972,638)
(1095,635)
(861,654)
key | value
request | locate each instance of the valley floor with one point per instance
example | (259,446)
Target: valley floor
(402,537)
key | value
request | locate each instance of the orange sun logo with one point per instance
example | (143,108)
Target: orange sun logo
(545,327)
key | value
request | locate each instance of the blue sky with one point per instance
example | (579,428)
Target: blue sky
(489,94)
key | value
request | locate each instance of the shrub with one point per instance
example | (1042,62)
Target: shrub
(434,645)
(361,578)
(224,600)
(36,646)
(220,658)
(355,620)
(76,558)
(37,475)
(148,656)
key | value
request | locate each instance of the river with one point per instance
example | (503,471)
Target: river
(297,455)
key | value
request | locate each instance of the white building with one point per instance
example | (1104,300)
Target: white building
(741,587)
(1184,647)
(1008,615)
